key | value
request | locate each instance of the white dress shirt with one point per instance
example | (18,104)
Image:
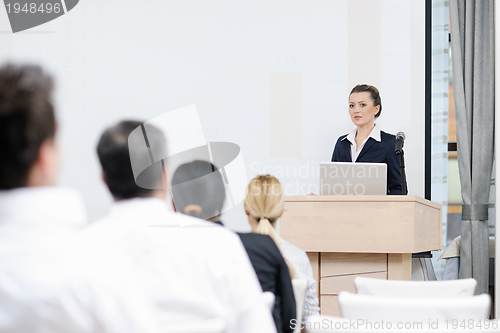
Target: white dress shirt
(303,270)
(194,270)
(49,283)
(374,134)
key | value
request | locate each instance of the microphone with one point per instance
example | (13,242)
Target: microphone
(400,140)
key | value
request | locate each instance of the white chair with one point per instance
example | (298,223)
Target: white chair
(269,299)
(328,324)
(201,326)
(299,291)
(368,307)
(415,289)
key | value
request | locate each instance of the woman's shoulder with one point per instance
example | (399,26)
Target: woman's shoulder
(384,136)
(342,137)
(254,237)
(257,241)
(293,251)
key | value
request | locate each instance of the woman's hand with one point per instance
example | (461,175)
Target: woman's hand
(311,194)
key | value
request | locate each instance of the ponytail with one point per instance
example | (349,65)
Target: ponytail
(264,201)
(265,228)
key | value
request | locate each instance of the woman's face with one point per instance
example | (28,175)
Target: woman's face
(361,108)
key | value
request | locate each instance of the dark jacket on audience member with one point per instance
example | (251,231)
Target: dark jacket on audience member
(273,275)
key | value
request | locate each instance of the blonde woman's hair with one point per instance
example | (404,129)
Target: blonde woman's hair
(265,201)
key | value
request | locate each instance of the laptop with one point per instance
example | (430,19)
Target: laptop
(347,178)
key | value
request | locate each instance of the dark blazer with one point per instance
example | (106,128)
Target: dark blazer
(374,152)
(273,275)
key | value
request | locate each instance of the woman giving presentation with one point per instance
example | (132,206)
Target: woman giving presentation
(367,143)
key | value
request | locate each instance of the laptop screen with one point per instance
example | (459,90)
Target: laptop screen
(346,178)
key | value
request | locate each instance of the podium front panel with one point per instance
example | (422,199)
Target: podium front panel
(350,236)
(362,224)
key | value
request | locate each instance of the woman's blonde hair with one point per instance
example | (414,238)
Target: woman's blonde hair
(265,201)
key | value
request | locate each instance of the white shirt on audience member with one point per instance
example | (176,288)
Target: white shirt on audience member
(303,270)
(49,283)
(194,270)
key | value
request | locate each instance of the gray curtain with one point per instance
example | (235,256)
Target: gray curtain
(473,60)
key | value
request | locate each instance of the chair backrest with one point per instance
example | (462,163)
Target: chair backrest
(368,307)
(269,299)
(415,289)
(299,291)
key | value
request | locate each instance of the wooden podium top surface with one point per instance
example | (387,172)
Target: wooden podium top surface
(362,224)
(361,198)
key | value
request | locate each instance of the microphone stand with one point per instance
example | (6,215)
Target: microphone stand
(401,153)
(402,167)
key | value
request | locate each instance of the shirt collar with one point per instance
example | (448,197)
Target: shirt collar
(139,206)
(150,212)
(44,207)
(374,134)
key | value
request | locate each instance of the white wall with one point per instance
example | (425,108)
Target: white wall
(128,59)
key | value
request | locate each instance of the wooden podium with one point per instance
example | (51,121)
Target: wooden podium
(349,236)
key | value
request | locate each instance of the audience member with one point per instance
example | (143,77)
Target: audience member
(198,190)
(47,282)
(264,204)
(194,271)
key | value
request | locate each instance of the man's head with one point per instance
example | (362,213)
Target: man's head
(28,154)
(198,190)
(117,147)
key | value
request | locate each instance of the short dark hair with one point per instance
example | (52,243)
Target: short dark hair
(199,183)
(26,120)
(374,93)
(114,151)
